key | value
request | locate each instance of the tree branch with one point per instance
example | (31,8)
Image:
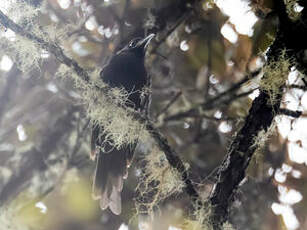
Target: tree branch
(169,104)
(295,114)
(173,159)
(260,117)
(302,87)
(50,47)
(232,170)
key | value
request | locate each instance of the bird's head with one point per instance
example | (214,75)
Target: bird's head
(138,45)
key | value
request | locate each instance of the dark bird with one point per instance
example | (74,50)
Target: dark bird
(125,69)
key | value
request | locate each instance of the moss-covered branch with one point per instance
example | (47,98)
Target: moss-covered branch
(232,170)
(173,159)
(50,47)
(260,117)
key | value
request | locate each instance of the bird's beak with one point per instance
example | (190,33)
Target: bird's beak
(145,42)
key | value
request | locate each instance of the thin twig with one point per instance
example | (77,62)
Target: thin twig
(302,87)
(169,32)
(291,113)
(169,104)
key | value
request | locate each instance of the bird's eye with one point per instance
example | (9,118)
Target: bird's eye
(132,44)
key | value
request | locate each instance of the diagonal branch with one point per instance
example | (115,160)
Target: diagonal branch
(51,47)
(171,155)
(291,113)
(232,170)
(260,117)
(168,105)
(174,160)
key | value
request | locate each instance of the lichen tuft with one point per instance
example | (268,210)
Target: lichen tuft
(275,76)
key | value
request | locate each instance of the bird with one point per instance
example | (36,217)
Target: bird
(126,69)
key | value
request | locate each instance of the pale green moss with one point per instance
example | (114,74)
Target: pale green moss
(107,109)
(291,6)
(260,141)
(22,13)
(200,219)
(275,76)
(262,137)
(8,218)
(25,54)
(157,169)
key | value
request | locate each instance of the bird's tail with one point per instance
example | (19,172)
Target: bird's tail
(111,169)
